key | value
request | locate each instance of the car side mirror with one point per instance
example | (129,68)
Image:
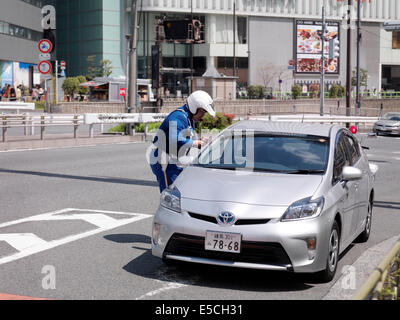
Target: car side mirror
(351,174)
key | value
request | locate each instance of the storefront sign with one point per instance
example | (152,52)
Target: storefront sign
(309,47)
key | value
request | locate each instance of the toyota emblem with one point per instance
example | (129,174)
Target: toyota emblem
(226,218)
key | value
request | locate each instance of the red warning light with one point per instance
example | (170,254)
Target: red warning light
(353,129)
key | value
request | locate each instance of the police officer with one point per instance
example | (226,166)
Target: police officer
(176,136)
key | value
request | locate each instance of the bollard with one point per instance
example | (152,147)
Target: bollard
(4,128)
(91,131)
(75,126)
(25,125)
(42,127)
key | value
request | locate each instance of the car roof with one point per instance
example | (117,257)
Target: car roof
(315,129)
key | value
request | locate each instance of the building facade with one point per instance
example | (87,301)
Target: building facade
(20,32)
(275,40)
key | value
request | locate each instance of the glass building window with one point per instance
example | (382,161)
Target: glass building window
(36,3)
(242,29)
(396,40)
(20,32)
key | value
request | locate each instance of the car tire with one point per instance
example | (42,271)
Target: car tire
(333,255)
(364,236)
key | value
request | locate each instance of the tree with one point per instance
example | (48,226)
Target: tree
(363,78)
(270,74)
(70,86)
(103,69)
(106,68)
(93,70)
(82,90)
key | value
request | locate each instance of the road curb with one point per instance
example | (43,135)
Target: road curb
(60,141)
(362,267)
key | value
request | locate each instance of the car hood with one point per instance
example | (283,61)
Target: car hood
(257,188)
(388,122)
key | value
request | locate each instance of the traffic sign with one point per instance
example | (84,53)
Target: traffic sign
(44,67)
(45,46)
(62,64)
(44,56)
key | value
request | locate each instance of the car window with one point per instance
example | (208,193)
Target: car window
(354,148)
(340,160)
(268,152)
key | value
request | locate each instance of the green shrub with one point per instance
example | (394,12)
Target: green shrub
(256,91)
(341,92)
(296,91)
(220,122)
(334,91)
(39,105)
(118,128)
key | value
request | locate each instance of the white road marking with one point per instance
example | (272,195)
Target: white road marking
(26,248)
(169,283)
(22,241)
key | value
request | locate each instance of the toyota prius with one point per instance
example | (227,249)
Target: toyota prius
(271,196)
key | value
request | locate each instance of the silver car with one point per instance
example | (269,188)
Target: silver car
(388,124)
(269,195)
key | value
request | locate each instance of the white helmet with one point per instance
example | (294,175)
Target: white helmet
(200,99)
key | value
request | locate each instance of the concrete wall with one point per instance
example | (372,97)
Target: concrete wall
(242,108)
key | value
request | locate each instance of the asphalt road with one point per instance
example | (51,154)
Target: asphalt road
(103,251)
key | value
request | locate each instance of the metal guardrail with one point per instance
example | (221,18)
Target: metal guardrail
(30,122)
(317,119)
(372,288)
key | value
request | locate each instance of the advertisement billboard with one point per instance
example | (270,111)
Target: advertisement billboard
(309,47)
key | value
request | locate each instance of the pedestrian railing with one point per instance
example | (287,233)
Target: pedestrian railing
(31,122)
(384,281)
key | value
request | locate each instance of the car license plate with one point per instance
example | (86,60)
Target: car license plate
(223,241)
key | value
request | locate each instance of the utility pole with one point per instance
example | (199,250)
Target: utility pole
(358,101)
(132,89)
(322,85)
(191,48)
(348,58)
(234,38)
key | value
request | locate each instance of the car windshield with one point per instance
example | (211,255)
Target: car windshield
(392,116)
(292,154)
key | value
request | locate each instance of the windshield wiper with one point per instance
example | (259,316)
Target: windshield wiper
(214,166)
(305,171)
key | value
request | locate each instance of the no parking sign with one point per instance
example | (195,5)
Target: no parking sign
(44,67)
(45,46)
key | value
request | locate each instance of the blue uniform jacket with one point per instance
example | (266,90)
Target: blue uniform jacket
(178,128)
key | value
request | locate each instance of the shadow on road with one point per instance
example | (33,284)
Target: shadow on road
(138,182)
(387,204)
(148,266)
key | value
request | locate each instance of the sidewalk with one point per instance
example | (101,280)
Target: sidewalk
(65,140)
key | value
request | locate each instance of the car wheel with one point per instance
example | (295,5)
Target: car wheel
(333,255)
(364,236)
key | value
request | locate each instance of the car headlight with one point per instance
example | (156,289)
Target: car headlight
(171,199)
(304,209)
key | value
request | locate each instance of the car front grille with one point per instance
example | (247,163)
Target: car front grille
(251,252)
(239,222)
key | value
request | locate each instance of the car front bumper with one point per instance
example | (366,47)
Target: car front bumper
(274,245)
(387,130)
